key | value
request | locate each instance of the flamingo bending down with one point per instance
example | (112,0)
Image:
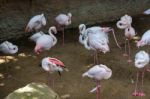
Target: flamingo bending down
(63,20)
(141,61)
(98,73)
(125,23)
(96,39)
(36,23)
(45,42)
(52,65)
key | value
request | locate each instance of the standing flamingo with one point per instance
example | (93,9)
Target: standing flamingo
(97,39)
(125,23)
(45,42)
(36,23)
(52,65)
(98,73)
(141,61)
(63,20)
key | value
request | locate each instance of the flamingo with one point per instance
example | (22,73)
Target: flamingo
(145,40)
(97,39)
(52,65)
(147,12)
(125,23)
(45,42)
(98,73)
(63,20)
(36,23)
(8,48)
(141,61)
(83,34)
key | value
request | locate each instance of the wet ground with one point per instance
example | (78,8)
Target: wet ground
(24,67)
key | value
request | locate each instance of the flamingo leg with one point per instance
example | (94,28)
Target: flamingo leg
(96,57)
(50,81)
(98,90)
(135,93)
(63,36)
(125,49)
(141,93)
(129,47)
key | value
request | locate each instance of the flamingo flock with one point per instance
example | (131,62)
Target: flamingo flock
(93,38)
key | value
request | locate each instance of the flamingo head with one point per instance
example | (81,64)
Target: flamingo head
(43,20)
(38,49)
(13,49)
(52,30)
(140,43)
(82,28)
(68,22)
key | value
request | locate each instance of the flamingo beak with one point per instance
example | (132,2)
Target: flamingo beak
(59,73)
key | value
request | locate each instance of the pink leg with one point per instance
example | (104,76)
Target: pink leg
(98,90)
(129,59)
(125,53)
(63,36)
(135,93)
(96,57)
(141,93)
(50,81)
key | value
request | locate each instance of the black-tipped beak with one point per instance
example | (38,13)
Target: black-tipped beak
(59,73)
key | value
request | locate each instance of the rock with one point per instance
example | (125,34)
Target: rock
(33,91)
(15,14)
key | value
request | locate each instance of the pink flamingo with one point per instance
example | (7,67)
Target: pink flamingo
(63,20)
(125,23)
(45,41)
(98,73)
(52,65)
(141,61)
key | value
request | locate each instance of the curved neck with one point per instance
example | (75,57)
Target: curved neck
(52,35)
(85,42)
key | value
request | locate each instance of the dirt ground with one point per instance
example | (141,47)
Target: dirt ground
(24,67)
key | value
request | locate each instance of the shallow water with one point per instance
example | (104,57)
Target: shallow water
(24,67)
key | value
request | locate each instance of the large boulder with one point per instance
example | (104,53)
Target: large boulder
(14,14)
(33,91)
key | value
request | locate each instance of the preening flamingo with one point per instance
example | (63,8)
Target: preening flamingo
(96,39)
(125,23)
(45,42)
(36,23)
(98,73)
(63,20)
(52,65)
(37,35)
(141,61)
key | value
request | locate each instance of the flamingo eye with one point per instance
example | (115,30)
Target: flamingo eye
(14,48)
(120,24)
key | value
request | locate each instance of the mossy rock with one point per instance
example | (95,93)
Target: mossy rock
(33,91)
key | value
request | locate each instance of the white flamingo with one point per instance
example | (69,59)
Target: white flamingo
(52,65)
(8,48)
(141,61)
(97,40)
(36,23)
(147,12)
(82,32)
(63,20)
(98,73)
(45,42)
(145,40)
(125,23)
